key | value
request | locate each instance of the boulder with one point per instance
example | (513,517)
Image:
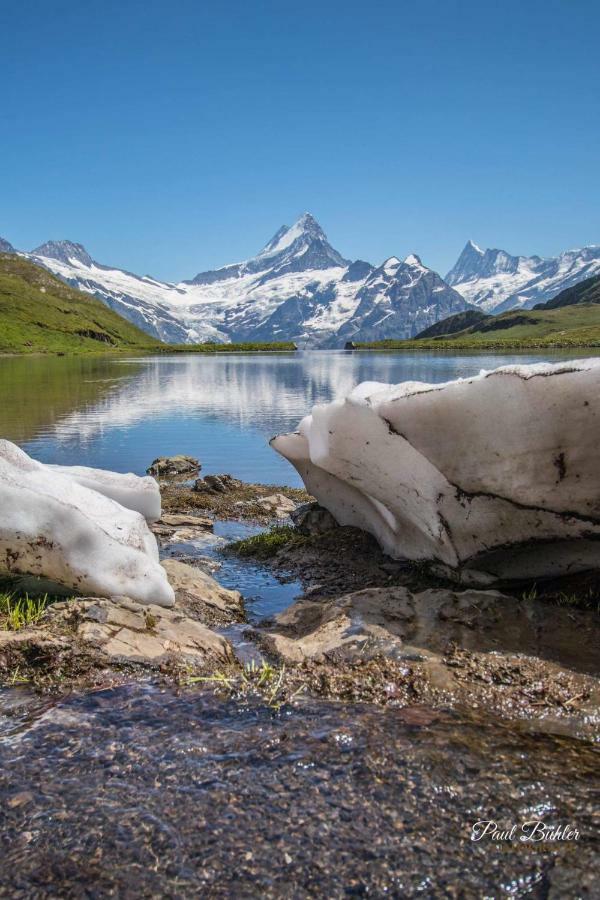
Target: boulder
(216,484)
(174,466)
(178,520)
(198,594)
(373,620)
(277,504)
(54,527)
(492,478)
(311,518)
(121,630)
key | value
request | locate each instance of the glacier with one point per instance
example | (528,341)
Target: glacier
(58,527)
(493,478)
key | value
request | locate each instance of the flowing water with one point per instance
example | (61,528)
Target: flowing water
(149,791)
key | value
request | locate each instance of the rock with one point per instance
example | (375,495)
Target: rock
(277,504)
(174,466)
(216,484)
(311,518)
(395,622)
(55,528)
(176,520)
(199,595)
(492,478)
(369,621)
(121,630)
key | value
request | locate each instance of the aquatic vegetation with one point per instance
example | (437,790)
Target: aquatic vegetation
(264,680)
(266,544)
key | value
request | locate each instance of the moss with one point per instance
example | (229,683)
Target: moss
(268,543)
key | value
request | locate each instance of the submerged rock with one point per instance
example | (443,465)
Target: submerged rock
(492,478)
(173,466)
(54,527)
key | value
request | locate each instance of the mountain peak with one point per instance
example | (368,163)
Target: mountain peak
(305,227)
(6,246)
(413,260)
(64,251)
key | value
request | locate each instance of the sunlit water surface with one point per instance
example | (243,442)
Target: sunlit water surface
(121,413)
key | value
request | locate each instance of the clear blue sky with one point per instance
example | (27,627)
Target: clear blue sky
(171,137)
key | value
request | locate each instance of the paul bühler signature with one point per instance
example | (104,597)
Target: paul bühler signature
(532,833)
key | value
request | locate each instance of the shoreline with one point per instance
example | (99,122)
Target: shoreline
(363,622)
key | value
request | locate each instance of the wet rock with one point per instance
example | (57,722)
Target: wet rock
(174,466)
(373,620)
(182,519)
(122,631)
(277,504)
(199,595)
(216,484)
(386,619)
(312,518)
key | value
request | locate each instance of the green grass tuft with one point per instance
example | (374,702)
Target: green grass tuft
(266,544)
(19,612)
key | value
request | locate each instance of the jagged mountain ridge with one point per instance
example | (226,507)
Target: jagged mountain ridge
(299,287)
(497,282)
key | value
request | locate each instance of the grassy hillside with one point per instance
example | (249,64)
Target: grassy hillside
(587,291)
(39,313)
(566,327)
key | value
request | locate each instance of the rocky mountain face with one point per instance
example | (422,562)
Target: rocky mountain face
(301,288)
(6,247)
(298,288)
(496,281)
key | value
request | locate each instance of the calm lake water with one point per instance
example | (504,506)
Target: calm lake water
(121,413)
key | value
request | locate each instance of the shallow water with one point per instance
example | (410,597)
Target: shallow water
(140,791)
(121,413)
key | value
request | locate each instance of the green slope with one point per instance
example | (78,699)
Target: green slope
(587,291)
(568,326)
(39,313)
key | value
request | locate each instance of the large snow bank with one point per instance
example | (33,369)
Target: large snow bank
(54,526)
(492,477)
(140,494)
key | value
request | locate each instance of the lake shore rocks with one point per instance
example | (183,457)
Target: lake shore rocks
(201,596)
(174,466)
(493,478)
(127,632)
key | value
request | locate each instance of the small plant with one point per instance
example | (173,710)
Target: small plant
(266,544)
(265,680)
(19,612)
(530,595)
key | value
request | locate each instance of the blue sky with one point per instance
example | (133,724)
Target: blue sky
(175,137)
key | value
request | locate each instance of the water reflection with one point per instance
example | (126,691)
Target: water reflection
(121,413)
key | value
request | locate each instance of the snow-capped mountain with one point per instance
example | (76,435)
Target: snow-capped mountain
(142,300)
(297,288)
(497,281)
(400,299)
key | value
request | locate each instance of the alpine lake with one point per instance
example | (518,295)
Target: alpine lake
(152,790)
